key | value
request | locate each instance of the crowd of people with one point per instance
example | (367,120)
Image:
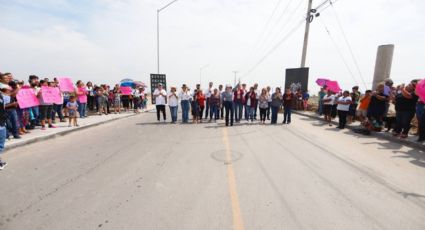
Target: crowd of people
(372,108)
(230,103)
(75,104)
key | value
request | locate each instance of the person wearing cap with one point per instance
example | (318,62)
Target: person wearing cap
(160,96)
(227,101)
(3,120)
(173,103)
(208,93)
(185,97)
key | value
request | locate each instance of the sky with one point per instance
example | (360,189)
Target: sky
(107,40)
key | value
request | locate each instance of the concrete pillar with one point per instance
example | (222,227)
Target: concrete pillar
(384,59)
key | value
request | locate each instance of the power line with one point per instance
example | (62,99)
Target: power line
(339,52)
(273,49)
(348,45)
(261,35)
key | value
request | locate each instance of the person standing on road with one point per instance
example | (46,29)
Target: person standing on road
(173,103)
(288,99)
(269,94)
(257,93)
(328,104)
(207,94)
(227,98)
(221,110)
(215,102)
(343,108)
(251,103)
(201,103)
(238,102)
(275,105)
(185,97)
(263,104)
(160,96)
(377,107)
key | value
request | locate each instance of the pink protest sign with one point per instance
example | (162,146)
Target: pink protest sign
(65,84)
(82,98)
(58,98)
(50,95)
(26,98)
(125,90)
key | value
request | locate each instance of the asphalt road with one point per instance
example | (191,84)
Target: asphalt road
(137,174)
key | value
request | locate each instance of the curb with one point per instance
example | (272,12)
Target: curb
(417,145)
(65,132)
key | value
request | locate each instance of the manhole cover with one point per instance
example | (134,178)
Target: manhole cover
(221,156)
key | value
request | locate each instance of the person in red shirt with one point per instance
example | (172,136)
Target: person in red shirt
(288,98)
(201,102)
(251,103)
(238,100)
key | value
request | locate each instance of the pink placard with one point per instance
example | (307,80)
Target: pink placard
(26,98)
(59,99)
(82,98)
(50,95)
(65,84)
(125,90)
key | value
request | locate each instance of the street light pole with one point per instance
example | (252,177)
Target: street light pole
(235,72)
(157,28)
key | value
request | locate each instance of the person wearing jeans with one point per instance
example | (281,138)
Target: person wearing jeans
(343,107)
(238,103)
(82,98)
(173,103)
(160,96)
(251,103)
(405,106)
(185,97)
(269,94)
(275,104)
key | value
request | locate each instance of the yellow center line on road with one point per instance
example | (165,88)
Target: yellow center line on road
(236,210)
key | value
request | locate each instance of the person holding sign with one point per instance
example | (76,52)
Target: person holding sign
(160,96)
(46,106)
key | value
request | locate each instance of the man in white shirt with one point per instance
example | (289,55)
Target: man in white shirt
(160,96)
(208,93)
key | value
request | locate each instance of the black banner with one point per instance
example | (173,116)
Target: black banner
(296,79)
(155,80)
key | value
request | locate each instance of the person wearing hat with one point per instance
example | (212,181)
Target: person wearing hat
(160,96)
(3,120)
(227,98)
(185,98)
(173,103)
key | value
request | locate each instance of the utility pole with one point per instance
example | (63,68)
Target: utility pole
(307,31)
(235,72)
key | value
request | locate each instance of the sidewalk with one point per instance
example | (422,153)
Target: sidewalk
(63,129)
(410,141)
